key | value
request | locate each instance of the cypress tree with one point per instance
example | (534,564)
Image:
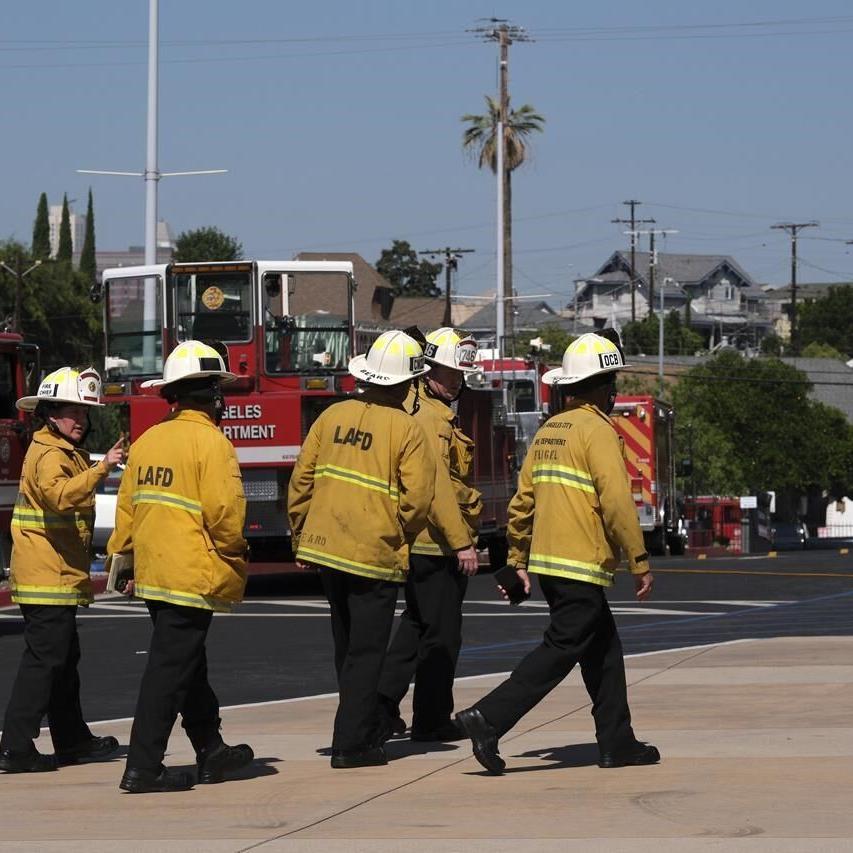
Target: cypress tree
(88,265)
(66,248)
(41,231)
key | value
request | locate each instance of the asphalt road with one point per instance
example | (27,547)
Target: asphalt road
(278,644)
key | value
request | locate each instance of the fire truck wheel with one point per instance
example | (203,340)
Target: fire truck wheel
(676,546)
(656,543)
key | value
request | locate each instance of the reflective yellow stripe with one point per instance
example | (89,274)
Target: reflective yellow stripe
(429,549)
(30,518)
(26,594)
(545,564)
(151,496)
(357,478)
(573,478)
(309,555)
(185,599)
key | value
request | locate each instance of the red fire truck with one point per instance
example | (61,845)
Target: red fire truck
(289,330)
(646,426)
(19,374)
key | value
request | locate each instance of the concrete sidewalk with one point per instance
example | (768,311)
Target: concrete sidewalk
(756,737)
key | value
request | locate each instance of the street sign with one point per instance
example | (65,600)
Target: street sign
(748,502)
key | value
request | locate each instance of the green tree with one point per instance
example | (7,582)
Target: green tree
(772,344)
(755,428)
(56,311)
(88,264)
(408,275)
(642,336)
(41,231)
(207,244)
(66,246)
(829,320)
(480,139)
(816,350)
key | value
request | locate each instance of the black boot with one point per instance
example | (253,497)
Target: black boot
(93,749)
(484,739)
(26,762)
(635,754)
(145,782)
(373,757)
(215,762)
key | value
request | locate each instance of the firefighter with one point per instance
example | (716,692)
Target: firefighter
(359,495)
(51,534)
(181,511)
(443,557)
(570,521)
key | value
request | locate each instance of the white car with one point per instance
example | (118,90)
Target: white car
(105,505)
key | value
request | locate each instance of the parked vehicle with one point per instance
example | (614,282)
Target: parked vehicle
(105,505)
(19,376)
(289,330)
(788,535)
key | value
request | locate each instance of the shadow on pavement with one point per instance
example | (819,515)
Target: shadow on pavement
(570,755)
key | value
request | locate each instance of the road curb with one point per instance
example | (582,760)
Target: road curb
(99,584)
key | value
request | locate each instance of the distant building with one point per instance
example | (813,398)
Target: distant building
(135,255)
(779,300)
(78,228)
(714,293)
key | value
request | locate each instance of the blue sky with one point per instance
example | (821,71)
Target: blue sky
(340,125)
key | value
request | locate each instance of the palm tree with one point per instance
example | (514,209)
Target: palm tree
(480,139)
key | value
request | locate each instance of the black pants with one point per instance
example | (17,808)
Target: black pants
(427,641)
(47,681)
(582,631)
(362,614)
(174,681)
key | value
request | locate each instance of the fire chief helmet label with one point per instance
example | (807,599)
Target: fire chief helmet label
(609,359)
(48,389)
(416,363)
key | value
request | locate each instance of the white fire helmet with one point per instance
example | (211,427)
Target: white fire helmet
(452,348)
(66,385)
(191,360)
(586,356)
(393,358)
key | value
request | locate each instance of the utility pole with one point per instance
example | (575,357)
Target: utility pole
(19,274)
(451,261)
(653,262)
(504,33)
(632,203)
(793,228)
(152,175)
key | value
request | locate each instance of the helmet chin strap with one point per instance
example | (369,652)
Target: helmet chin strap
(218,405)
(447,401)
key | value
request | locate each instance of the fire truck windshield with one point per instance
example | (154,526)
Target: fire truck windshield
(134,319)
(214,305)
(306,321)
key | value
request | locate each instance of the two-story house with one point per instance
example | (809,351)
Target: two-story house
(715,295)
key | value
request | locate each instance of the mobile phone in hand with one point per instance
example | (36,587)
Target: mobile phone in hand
(513,585)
